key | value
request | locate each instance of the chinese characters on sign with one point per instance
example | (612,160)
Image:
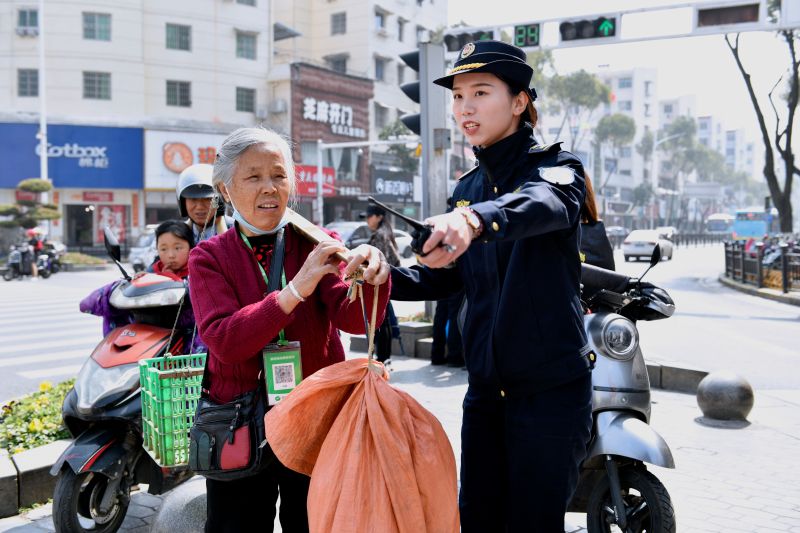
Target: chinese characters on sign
(394,187)
(307,180)
(339,116)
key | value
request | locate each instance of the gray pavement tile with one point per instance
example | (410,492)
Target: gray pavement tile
(27,527)
(139,511)
(14,523)
(147,500)
(45,524)
(131,522)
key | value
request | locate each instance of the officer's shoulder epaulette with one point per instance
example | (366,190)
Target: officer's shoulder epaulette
(467,173)
(541,148)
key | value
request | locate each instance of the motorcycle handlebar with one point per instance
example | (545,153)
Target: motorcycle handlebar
(597,278)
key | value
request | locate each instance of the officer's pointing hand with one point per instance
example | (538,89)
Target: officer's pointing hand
(451,236)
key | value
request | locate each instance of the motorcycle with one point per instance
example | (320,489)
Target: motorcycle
(615,489)
(20,261)
(103,410)
(44,265)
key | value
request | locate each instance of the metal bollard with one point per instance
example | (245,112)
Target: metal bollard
(784,267)
(759,265)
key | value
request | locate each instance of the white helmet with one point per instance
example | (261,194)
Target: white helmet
(194,182)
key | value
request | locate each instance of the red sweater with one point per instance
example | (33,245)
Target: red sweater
(236,317)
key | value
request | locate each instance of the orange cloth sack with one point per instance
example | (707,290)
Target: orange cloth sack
(378,461)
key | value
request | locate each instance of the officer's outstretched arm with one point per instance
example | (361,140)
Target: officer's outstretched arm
(550,201)
(422,283)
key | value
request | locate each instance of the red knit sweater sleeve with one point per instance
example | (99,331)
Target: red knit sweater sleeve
(345,315)
(233,333)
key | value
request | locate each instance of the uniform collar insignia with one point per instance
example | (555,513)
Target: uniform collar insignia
(536,148)
(467,173)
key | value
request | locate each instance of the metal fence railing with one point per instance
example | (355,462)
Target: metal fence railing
(774,266)
(681,239)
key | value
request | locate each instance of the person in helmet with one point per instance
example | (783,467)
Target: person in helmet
(199,204)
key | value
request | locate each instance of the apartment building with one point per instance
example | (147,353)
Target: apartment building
(135,92)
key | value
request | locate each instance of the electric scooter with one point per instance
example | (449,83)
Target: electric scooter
(103,411)
(615,489)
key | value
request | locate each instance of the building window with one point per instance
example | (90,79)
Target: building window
(246,2)
(625,83)
(401,74)
(245,100)
(179,93)
(380,20)
(667,109)
(97,85)
(625,151)
(245,45)
(27,82)
(647,110)
(648,87)
(401,29)
(97,26)
(339,23)
(337,63)
(625,105)
(28,19)
(179,37)
(381,116)
(420,33)
(380,69)
(625,173)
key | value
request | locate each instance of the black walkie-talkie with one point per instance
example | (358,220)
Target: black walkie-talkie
(420,232)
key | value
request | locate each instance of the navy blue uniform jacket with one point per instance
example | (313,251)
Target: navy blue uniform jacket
(523,331)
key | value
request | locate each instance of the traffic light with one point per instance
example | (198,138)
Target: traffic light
(727,15)
(456,41)
(412,90)
(598,28)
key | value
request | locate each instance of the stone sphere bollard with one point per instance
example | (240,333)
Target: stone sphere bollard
(725,396)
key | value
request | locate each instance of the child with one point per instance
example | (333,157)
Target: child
(174,240)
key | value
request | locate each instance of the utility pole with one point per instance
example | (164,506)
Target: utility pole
(42,135)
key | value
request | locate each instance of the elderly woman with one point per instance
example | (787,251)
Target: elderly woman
(237,317)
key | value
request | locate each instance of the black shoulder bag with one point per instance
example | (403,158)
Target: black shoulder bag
(227,441)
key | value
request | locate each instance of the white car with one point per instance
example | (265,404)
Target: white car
(642,242)
(362,234)
(144,253)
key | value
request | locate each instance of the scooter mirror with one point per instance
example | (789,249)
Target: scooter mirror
(112,244)
(112,247)
(656,257)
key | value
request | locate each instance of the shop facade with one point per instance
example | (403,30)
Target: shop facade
(333,107)
(96,173)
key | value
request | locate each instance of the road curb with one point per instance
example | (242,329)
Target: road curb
(769,294)
(25,477)
(69,267)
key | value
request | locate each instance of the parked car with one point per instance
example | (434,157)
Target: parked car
(617,232)
(641,242)
(344,228)
(145,252)
(362,234)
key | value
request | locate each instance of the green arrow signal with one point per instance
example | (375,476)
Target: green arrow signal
(606,27)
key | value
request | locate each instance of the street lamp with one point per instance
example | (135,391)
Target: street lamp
(653,172)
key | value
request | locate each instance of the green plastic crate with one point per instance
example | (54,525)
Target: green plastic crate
(170,391)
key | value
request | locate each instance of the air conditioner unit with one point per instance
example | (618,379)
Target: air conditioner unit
(261,112)
(278,106)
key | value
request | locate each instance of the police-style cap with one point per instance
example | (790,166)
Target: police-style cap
(504,60)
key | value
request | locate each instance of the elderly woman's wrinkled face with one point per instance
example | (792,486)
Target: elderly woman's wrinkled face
(260,186)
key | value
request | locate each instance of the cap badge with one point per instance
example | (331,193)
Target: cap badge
(467,50)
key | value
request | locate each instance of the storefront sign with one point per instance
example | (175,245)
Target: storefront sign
(307,180)
(98,196)
(168,153)
(339,116)
(78,156)
(26,196)
(391,185)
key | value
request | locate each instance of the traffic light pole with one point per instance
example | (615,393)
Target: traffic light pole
(434,133)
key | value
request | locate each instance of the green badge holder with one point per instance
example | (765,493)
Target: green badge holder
(283,370)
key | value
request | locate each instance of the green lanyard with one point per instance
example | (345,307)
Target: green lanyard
(282,336)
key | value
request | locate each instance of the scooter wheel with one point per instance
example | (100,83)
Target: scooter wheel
(44,273)
(8,275)
(76,501)
(647,504)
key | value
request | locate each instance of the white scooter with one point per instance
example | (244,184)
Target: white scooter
(615,490)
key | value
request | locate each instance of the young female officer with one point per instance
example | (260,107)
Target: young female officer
(513,237)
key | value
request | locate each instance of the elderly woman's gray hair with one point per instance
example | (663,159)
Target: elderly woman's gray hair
(240,140)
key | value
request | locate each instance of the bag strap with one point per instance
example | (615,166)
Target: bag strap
(275,271)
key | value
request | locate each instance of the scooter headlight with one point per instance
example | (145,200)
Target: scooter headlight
(97,387)
(620,338)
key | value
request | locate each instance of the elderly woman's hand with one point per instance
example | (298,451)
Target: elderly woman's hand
(320,261)
(377,269)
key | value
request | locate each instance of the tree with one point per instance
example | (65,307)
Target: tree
(28,213)
(645,149)
(781,138)
(679,149)
(616,131)
(576,95)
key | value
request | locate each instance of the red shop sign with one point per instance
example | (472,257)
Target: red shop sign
(98,196)
(307,180)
